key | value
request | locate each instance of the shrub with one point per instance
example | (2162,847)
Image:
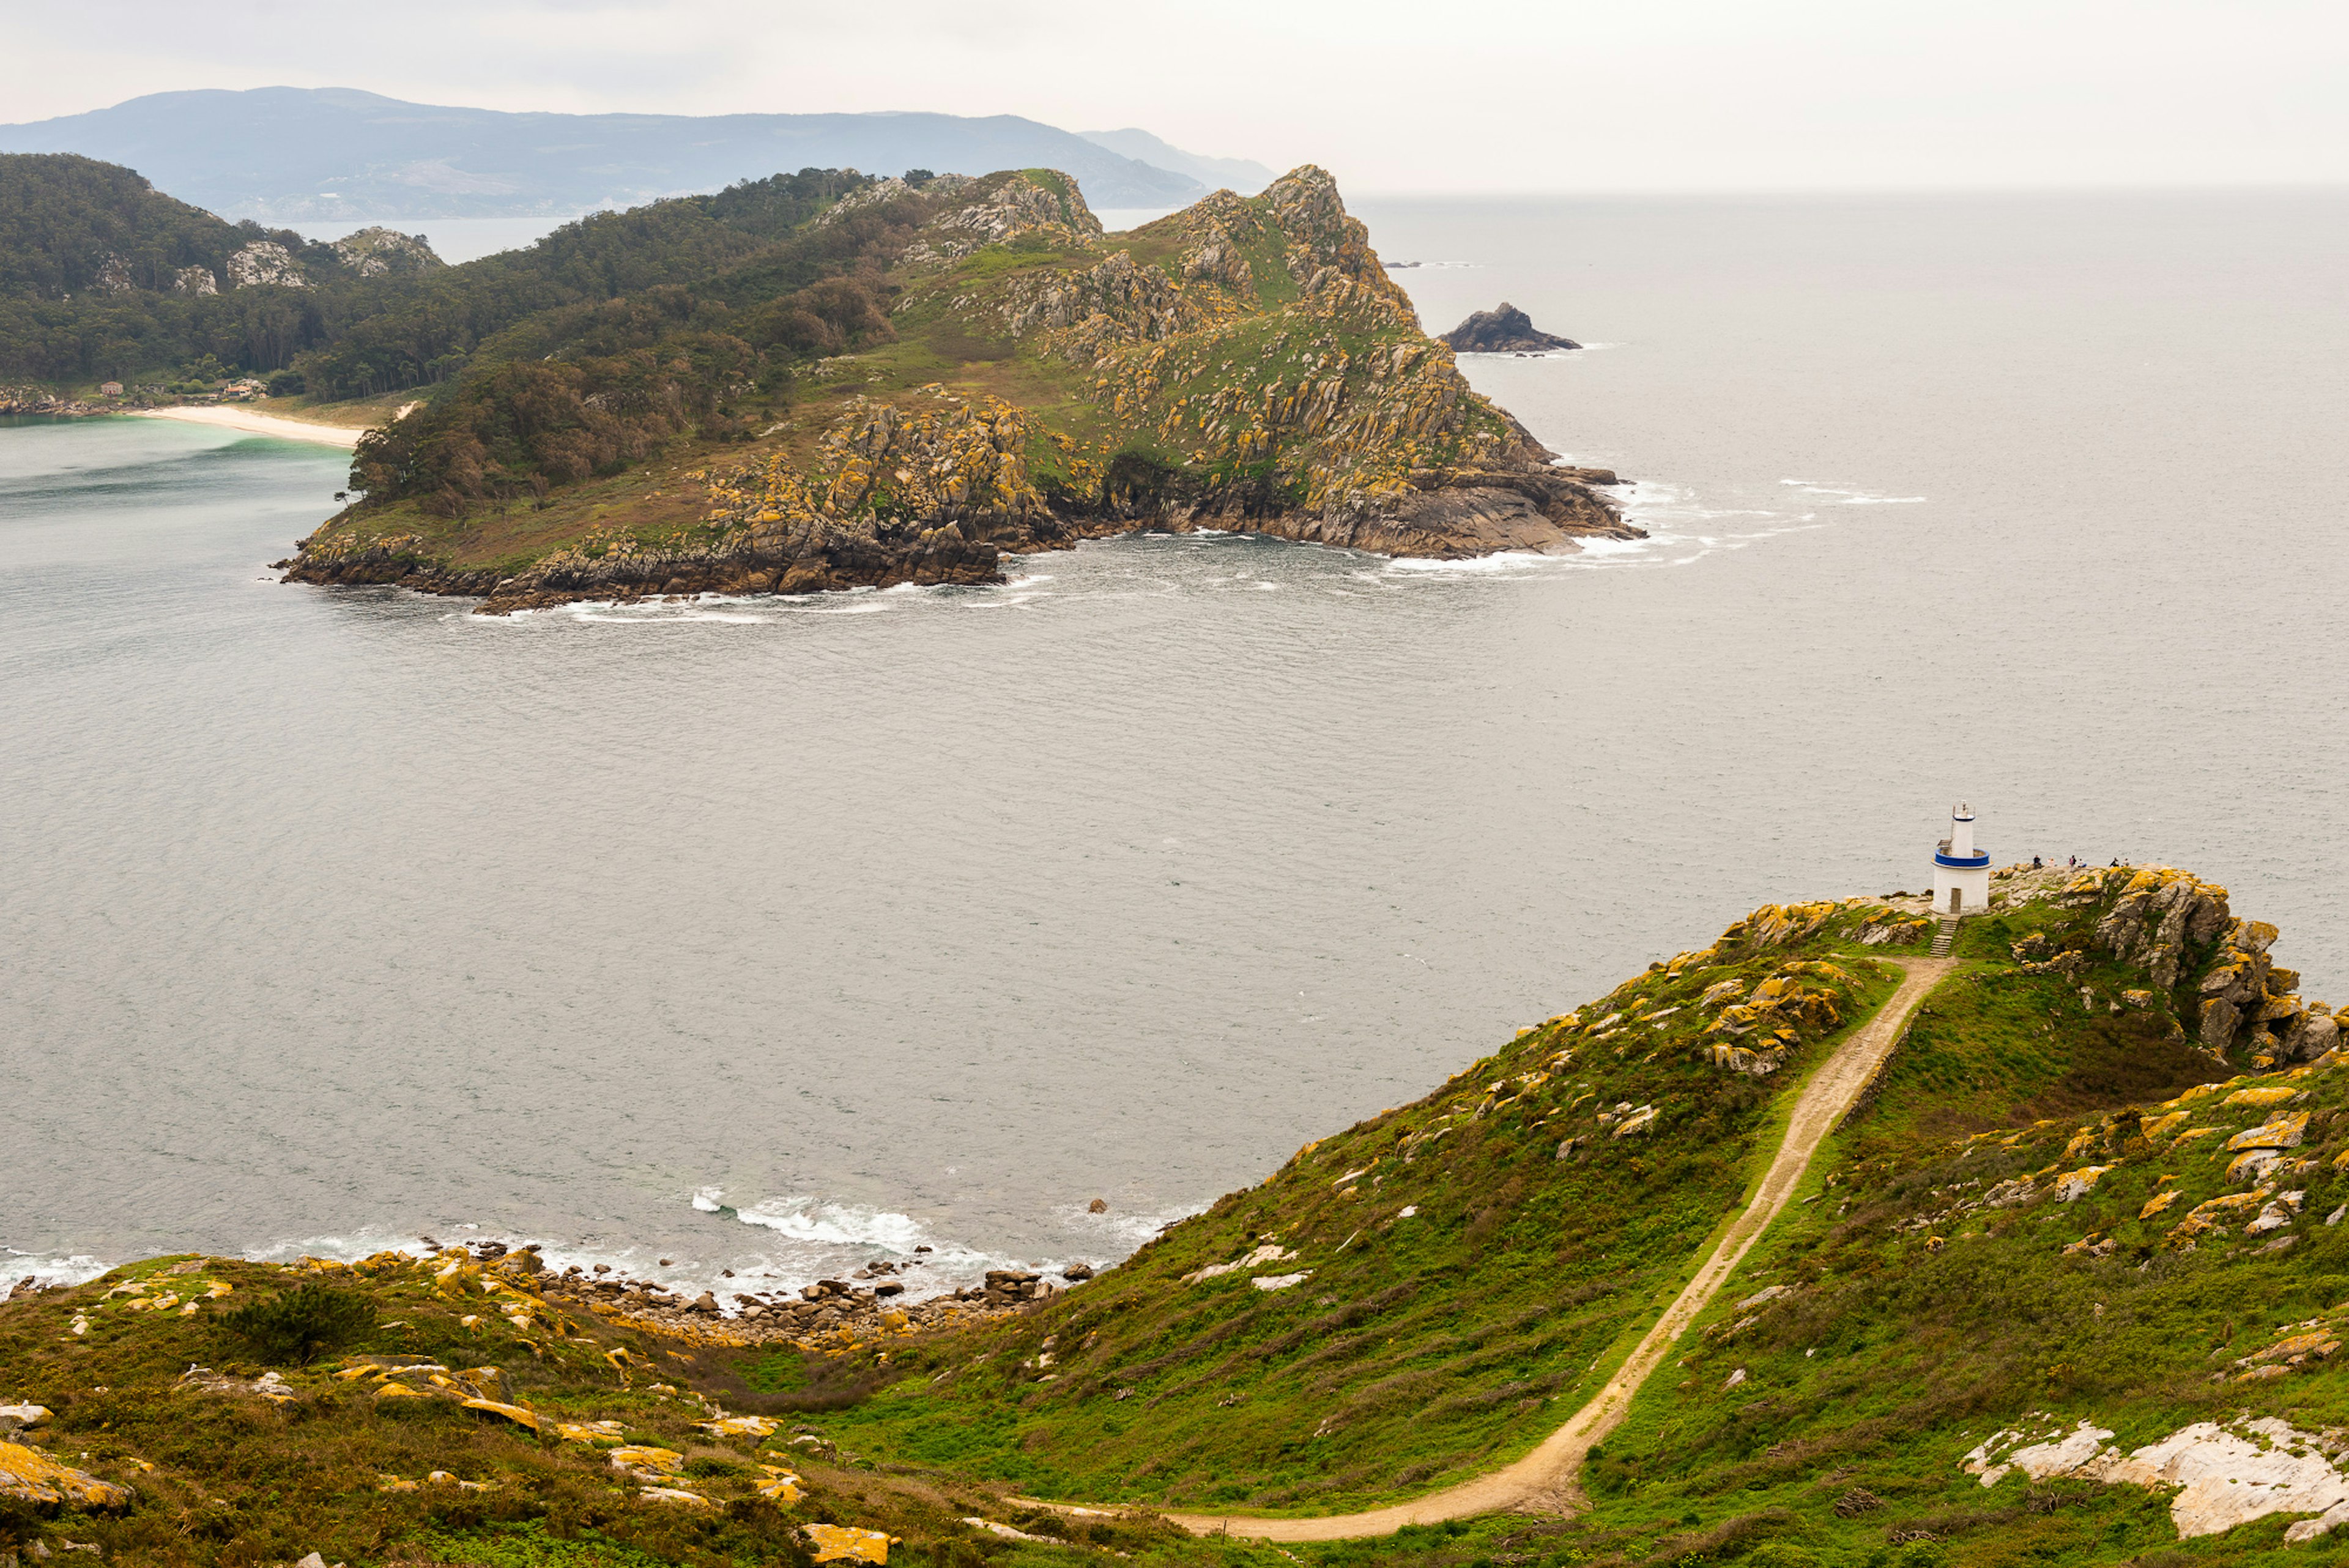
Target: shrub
(295,1327)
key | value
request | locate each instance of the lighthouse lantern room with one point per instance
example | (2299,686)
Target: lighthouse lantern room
(1960,871)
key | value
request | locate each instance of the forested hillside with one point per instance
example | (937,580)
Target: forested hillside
(103,277)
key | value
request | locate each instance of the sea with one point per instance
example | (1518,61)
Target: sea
(783,936)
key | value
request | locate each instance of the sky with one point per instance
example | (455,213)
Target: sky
(1470,95)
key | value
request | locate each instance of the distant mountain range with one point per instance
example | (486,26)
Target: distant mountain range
(296,154)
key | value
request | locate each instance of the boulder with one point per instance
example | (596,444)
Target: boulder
(2076,1184)
(832,1542)
(643,1462)
(29,1476)
(489,1383)
(515,1413)
(2284,1132)
(1504,329)
(1639,1121)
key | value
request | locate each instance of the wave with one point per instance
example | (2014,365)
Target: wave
(1841,497)
(47,1270)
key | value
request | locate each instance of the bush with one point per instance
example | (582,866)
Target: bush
(296,1326)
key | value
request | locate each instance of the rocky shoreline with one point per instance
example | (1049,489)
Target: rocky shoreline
(40,400)
(881,1298)
(1528,503)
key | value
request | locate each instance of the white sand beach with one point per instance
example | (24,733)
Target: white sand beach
(252,424)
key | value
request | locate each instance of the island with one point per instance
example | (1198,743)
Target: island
(918,378)
(1504,329)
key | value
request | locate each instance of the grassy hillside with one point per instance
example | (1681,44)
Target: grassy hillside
(1902,1328)
(2098,1181)
(1425,1294)
(585,1445)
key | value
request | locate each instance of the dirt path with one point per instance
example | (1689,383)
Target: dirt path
(1545,1479)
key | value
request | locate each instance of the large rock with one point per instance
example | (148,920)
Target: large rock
(30,1476)
(378,252)
(265,262)
(1504,329)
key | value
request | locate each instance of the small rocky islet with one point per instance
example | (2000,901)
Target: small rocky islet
(1504,329)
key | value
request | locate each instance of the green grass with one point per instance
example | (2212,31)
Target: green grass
(1893,1356)
(1422,1349)
(1914,1321)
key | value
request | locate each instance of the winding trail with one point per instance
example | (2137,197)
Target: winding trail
(1544,1481)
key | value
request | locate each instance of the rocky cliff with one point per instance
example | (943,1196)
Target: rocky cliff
(1244,364)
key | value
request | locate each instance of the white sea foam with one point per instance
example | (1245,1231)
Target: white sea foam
(831,1224)
(1502,561)
(1842,497)
(46,1270)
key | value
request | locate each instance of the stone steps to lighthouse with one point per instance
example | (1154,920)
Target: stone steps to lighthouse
(1945,937)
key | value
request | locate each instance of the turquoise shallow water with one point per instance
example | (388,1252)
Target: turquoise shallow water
(925,916)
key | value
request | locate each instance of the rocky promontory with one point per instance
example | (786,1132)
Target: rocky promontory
(1504,329)
(1000,378)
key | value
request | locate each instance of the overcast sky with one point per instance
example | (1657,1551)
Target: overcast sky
(1447,95)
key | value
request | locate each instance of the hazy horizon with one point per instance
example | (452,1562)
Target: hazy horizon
(1689,96)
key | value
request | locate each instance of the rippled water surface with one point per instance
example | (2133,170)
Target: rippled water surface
(923,917)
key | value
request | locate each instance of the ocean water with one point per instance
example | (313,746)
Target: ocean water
(782,935)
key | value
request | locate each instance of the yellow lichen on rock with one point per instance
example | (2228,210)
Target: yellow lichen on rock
(2284,1132)
(30,1476)
(2078,1183)
(833,1543)
(644,1462)
(515,1413)
(2217,1211)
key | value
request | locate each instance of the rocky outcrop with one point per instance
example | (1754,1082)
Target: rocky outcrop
(1039,204)
(31,1478)
(2178,930)
(41,400)
(265,262)
(1504,329)
(379,251)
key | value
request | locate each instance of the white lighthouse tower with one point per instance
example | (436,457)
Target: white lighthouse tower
(1960,872)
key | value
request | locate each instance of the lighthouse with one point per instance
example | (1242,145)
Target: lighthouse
(1960,871)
